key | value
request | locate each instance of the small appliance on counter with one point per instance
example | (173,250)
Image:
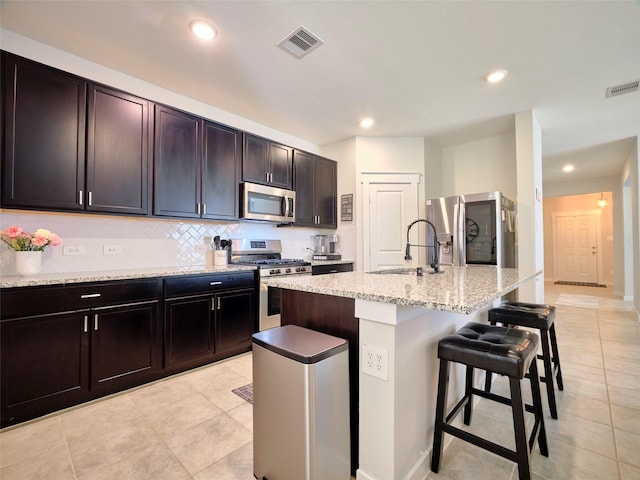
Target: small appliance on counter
(325,248)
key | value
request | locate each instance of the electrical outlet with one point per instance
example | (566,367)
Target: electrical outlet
(73,250)
(375,361)
(112,249)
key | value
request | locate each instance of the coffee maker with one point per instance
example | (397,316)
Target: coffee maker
(325,248)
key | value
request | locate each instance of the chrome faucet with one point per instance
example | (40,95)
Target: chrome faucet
(436,250)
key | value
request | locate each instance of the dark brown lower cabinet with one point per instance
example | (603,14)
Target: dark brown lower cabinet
(208,317)
(333,316)
(55,360)
(45,364)
(123,343)
(64,345)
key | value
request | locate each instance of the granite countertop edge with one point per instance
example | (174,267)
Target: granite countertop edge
(66,278)
(319,285)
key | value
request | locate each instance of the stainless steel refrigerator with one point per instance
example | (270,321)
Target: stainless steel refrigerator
(474,229)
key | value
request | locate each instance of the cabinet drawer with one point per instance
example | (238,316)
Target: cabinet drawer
(198,284)
(34,300)
(335,268)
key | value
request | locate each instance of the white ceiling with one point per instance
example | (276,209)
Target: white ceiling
(416,66)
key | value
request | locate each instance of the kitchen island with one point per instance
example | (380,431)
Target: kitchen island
(400,318)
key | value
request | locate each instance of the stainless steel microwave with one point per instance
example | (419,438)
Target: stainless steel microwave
(267,204)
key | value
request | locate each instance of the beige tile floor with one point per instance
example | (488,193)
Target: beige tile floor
(191,426)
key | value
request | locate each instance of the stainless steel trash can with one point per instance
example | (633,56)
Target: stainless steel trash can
(300,405)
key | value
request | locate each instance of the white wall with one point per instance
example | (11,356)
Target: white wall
(432,169)
(484,165)
(344,153)
(631,176)
(529,239)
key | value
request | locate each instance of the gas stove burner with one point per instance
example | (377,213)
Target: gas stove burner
(265,254)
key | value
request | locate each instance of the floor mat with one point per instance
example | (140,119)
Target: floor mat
(581,301)
(579,284)
(246,393)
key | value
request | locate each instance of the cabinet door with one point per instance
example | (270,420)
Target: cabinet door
(280,165)
(255,160)
(177,163)
(220,165)
(117,152)
(188,330)
(123,343)
(304,185)
(235,320)
(44,136)
(325,192)
(45,364)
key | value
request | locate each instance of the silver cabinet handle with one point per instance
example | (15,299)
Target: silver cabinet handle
(218,303)
(95,322)
(80,197)
(267,174)
(213,304)
(204,209)
(91,295)
(215,283)
(86,323)
(198,208)
(90,198)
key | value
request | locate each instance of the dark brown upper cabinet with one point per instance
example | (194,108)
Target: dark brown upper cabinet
(47,115)
(117,152)
(266,162)
(176,163)
(315,183)
(44,113)
(221,156)
(196,166)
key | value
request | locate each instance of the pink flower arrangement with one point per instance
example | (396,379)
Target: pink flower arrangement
(22,241)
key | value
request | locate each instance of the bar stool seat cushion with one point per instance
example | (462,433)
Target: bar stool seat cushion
(531,315)
(501,350)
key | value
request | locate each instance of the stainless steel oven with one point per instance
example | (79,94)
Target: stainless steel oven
(266,255)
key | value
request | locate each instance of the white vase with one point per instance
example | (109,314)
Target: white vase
(28,263)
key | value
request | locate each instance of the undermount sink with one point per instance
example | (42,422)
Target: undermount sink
(396,271)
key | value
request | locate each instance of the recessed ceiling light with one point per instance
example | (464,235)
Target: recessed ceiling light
(496,76)
(202,30)
(568,168)
(367,122)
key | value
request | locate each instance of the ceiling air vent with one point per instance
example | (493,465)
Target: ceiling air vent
(622,89)
(300,42)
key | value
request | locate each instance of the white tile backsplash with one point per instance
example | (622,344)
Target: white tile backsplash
(145,242)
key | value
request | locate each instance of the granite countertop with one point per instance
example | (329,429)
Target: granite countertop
(458,289)
(63,278)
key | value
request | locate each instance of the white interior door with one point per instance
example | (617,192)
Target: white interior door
(576,248)
(391,204)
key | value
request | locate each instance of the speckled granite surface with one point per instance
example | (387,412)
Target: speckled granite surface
(63,278)
(457,289)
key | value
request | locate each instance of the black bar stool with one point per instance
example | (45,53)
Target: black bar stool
(505,351)
(540,317)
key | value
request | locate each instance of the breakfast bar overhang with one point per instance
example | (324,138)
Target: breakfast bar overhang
(401,316)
